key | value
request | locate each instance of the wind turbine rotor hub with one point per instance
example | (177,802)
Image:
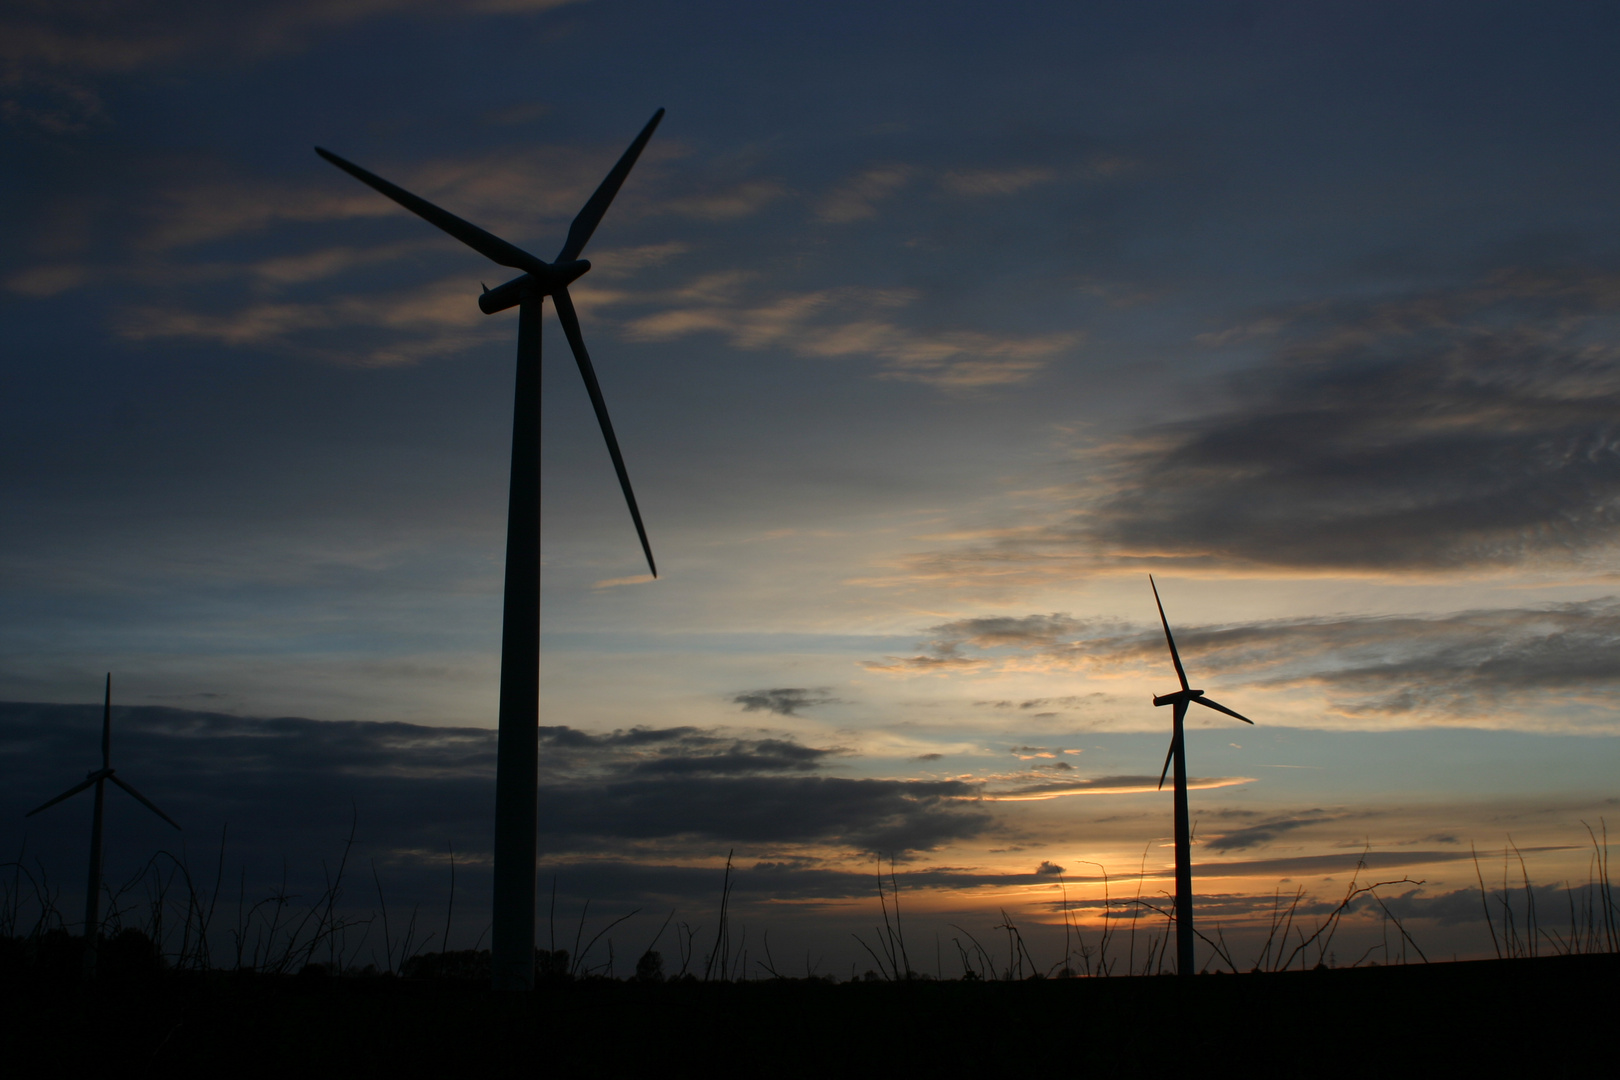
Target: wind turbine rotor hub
(1177,697)
(569,272)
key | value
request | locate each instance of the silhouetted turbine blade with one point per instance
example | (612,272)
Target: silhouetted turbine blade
(570,325)
(579,233)
(1218,707)
(1168,755)
(144,801)
(1175,657)
(486,244)
(68,794)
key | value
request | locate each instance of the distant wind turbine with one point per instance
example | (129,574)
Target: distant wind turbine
(97,779)
(518,738)
(1178,754)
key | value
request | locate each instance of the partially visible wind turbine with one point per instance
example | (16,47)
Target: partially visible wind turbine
(97,779)
(518,745)
(1178,754)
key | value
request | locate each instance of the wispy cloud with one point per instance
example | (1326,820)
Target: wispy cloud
(858,198)
(1261,833)
(847,322)
(738,201)
(1104,785)
(509,191)
(124,36)
(434,320)
(50,280)
(48,102)
(1485,667)
(995,181)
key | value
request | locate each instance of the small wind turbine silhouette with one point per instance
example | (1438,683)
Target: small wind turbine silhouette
(98,779)
(1178,754)
(518,745)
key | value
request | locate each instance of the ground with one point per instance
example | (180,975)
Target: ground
(1552,1015)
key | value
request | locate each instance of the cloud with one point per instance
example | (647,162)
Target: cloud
(850,814)
(1102,785)
(1048,869)
(1043,635)
(1001,630)
(706,786)
(126,36)
(409,326)
(49,280)
(1306,866)
(48,103)
(812,324)
(323,263)
(924,665)
(1262,833)
(512,192)
(995,181)
(1481,667)
(287,787)
(690,751)
(612,263)
(525,112)
(1450,429)
(1442,430)
(857,198)
(784,701)
(616,582)
(742,200)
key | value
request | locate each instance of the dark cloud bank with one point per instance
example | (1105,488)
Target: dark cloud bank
(1448,428)
(621,810)
(288,788)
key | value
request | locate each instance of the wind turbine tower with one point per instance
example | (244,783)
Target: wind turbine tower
(1178,755)
(98,779)
(518,745)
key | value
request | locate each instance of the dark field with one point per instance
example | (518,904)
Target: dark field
(1554,1016)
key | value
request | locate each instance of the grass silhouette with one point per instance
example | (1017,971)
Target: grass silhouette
(193,926)
(186,984)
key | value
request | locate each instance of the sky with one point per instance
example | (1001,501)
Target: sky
(929,331)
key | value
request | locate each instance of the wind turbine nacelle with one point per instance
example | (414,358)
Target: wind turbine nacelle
(544,280)
(1179,695)
(502,297)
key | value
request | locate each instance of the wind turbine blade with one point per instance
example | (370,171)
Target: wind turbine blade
(1168,755)
(1175,657)
(68,794)
(144,801)
(579,233)
(486,244)
(1218,707)
(570,325)
(106,726)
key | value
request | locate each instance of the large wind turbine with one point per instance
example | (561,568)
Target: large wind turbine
(98,779)
(518,745)
(1178,754)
